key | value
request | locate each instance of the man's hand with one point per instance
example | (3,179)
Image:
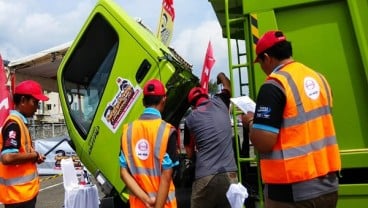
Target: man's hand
(222,79)
(150,202)
(40,158)
(247,119)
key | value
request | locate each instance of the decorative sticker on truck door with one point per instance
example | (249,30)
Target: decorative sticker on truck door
(119,107)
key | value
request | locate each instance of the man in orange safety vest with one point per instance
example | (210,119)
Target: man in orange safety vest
(19,181)
(148,153)
(293,129)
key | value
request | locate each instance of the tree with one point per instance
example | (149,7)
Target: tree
(212,87)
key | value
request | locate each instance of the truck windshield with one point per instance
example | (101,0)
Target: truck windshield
(87,71)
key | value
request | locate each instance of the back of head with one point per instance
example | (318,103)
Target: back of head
(153,91)
(273,43)
(30,88)
(195,94)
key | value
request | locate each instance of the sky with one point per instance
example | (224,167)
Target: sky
(31,26)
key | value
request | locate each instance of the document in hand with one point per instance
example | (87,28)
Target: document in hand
(244,103)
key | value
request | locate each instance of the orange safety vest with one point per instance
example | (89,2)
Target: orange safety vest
(19,183)
(144,144)
(306,146)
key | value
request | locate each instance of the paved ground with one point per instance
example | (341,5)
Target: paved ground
(51,192)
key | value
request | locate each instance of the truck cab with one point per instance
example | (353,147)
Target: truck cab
(100,81)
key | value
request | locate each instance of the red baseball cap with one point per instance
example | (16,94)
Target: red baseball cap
(268,40)
(154,87)
(195,93)
(30,87)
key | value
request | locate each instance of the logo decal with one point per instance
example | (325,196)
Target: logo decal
(142,149)
(12,134)
(119,107)
(264,112)
(11,141)
(311,88)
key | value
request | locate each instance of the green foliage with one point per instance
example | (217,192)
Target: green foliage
(212,87)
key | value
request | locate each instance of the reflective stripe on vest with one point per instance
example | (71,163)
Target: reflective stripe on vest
(301,153)
(18,180)
(156,170)
(324,110)
(298,151)
(147,171)
(170,197)
(19,183)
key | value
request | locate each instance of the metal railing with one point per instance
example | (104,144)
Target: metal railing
(48,130)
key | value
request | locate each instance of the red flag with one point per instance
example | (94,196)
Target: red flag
(209,61)
(168,5)
(6,103)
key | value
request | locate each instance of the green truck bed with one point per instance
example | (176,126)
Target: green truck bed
(330,36)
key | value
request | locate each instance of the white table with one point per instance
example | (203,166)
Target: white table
(85,196)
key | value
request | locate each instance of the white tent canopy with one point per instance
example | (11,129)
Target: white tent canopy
(41,66)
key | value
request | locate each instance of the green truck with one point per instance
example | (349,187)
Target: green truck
(101,77)
(327,35)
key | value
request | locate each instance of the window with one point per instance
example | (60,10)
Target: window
(48,107)
(86,73)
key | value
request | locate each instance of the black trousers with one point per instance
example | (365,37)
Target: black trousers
(326,201)
(27,204)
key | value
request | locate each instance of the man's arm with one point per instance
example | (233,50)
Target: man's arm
(173,145)
(163,189)
(188,142)
(170,160)
(20,158)
(135,188)
(10,153)
(189,148)
(222,79)
(225,94)
(263,141)
(268,117)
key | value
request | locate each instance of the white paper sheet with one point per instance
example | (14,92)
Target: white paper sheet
(244,103)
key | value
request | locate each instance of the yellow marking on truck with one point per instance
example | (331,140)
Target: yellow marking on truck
(254,28)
